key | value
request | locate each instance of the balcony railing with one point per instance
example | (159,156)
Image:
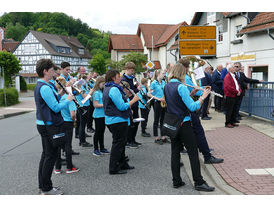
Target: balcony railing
(259,100)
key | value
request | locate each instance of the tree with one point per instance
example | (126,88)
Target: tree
(137,58)
(16,32)
(10,65)
(98,64)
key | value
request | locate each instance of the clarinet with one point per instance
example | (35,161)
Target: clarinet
(74,100)
(133,93)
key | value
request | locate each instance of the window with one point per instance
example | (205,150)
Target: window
(81,51)
(237,30)
(220,33)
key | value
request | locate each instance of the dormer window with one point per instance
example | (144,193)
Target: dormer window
(81,51)
(63,50)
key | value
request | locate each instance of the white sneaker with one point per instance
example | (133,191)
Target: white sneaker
(53,191)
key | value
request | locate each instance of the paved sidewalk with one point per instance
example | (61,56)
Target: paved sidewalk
(26,104)
(248,153)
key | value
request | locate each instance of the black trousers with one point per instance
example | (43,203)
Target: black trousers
(90,118)
(144,114)
(218,102)
(133,128)
(159,114)
(99,133)
(200,135)
(47,161)
(81,117)
(186,136)
(204,107)
(231,110)
(68,126)
(239,102)
(117,154)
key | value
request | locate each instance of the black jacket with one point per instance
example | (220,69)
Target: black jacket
(243,81)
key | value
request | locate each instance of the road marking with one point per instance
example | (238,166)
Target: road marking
(263,171)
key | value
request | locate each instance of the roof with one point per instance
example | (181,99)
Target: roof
(58,40)
(76,45)
(149,30)
(125,42)
(174,46)
(169,33)
(263,21)
(197,15)
(10,45)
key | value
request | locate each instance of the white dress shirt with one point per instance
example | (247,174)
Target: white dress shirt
(235,81)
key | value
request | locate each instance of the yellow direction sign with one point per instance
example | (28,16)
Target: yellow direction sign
(198,47)
(197,32)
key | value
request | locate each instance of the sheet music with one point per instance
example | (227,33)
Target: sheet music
(199,73)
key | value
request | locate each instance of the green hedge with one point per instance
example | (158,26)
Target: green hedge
(31,86)
(11,96)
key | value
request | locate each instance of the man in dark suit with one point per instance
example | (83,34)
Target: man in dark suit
(243,81)
(217,86)
(206,81)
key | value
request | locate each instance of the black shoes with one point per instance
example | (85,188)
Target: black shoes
(158,141)
(91,130)
(204,187)
(85,144)
(165,140)
(127,167)
(132,146)
(178,185)
(138,143)
(145,134)
(120,172)
(214,160)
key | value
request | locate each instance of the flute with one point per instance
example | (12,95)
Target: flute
(133,93)
(199,88)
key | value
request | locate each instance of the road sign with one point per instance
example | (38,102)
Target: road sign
(197,32)
(150,65)
(198,47)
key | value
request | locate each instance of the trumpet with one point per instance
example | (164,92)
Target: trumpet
(76,91)
(202,89)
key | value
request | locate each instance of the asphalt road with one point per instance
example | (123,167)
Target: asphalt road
(20,150)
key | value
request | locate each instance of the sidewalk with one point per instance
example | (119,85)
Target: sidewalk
(26,105)
(248,152)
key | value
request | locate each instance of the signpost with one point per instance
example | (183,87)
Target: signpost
(150,65)
(199,47)
(197,40)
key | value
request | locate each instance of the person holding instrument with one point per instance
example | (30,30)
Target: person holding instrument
(69,114)
(117,118)
(157,91)
(128,77)
(179,103)
(47,114)
(196,123)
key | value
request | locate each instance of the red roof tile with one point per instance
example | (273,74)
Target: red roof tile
(10,46)
(262,21)
(125,42)
(149,30)
(169,33)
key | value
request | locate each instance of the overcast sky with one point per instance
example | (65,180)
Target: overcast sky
(123,16)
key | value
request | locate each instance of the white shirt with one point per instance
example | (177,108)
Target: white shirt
(235,81)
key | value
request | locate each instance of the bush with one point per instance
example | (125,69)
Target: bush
(31,86)
(11,96)
(23,84)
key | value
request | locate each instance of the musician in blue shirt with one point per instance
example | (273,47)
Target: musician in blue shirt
(65,70)
(144,111)
(179,103)
(99,117)
(157,91)
(196,123)
(47,102)
(117,114)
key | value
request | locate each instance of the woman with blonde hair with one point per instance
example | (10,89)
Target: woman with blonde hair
(99,117)
(180,103)
(157,91)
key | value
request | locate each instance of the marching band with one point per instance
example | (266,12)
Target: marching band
(113,101)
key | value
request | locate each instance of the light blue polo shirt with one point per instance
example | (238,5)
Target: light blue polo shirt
(158,89)
(140,95)
(65,112)
(80,98)
(98,112)
(188,81)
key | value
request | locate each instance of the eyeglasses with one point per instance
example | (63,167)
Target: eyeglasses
(236,66)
